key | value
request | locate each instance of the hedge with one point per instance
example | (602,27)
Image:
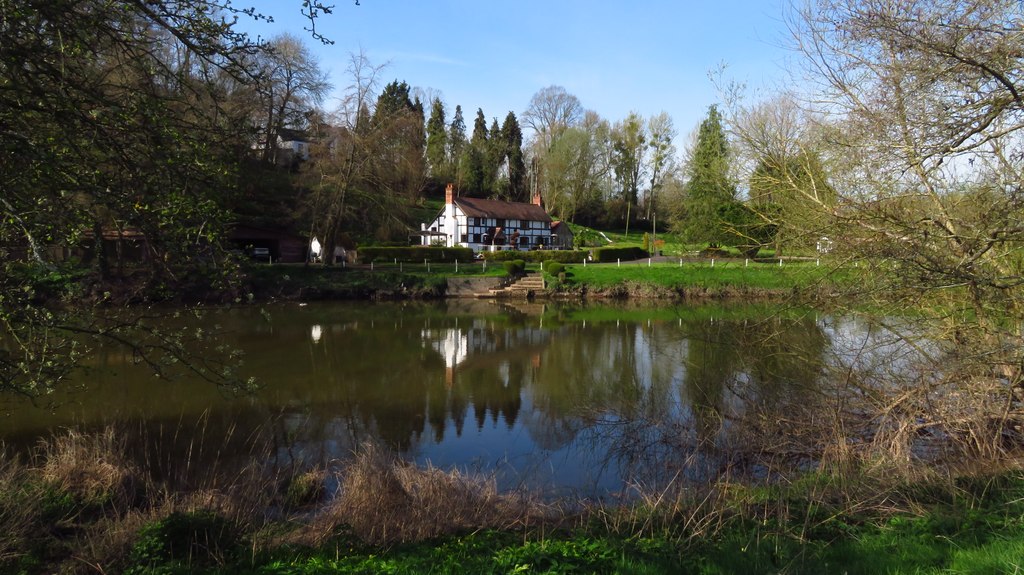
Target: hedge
(605,255)
(414,254)
(564,256)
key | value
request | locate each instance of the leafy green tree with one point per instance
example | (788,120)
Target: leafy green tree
(747,229)
(709,185)
(113,119)
(794,193)
(577,168)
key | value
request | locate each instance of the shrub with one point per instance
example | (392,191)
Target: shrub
(415,254)
(554,268)
(514,267)
(615,254)
(198,537)
(305,488)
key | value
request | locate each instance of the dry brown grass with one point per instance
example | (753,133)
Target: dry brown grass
(91,467)
(384,500)
(19,509)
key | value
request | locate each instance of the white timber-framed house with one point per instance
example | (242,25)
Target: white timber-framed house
(494,225)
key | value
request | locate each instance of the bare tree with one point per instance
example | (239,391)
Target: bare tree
(779,147)
(552,110)
(292,87)
(927,158)
(662,158)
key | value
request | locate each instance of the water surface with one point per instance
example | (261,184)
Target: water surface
(565,399)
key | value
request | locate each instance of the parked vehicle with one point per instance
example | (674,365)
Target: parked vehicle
(260,254)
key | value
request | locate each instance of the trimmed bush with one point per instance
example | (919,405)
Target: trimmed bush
(605,255)
(564,256)
(514,267)
(554,268)
(415,254)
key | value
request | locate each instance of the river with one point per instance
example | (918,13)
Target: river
(563,399)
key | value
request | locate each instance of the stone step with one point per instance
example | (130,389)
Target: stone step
(523,286)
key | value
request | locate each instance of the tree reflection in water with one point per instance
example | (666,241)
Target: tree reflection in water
(589,399)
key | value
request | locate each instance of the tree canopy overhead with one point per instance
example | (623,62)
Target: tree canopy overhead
(114,116)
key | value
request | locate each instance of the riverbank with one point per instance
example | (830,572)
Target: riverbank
(85,505)
(667,279)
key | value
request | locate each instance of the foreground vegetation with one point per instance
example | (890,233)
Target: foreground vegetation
(84,504)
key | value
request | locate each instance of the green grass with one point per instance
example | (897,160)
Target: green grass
(491,552)
(700,274)
(983,533)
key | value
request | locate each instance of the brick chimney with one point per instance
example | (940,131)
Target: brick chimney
(449,194)
(535,200)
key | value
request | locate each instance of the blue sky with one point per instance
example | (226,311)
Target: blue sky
(616,56)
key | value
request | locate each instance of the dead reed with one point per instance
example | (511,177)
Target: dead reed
(384,500)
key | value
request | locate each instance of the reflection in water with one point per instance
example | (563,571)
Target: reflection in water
(560,398)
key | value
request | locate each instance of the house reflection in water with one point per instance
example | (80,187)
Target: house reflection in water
(488,366)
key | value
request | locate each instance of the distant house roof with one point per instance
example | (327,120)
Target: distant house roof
(289,135)
(555,226)
(481,208)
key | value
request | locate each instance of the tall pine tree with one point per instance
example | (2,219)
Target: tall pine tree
(709,187)
(512,136)
(474,158)
(437,143)
(456,145)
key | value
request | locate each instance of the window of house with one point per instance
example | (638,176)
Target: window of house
(465,238)
(476,238)
(470,221)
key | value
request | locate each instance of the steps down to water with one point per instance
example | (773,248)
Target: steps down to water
(526,286)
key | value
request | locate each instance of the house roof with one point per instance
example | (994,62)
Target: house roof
(289,135)
(560,225)
(481,208)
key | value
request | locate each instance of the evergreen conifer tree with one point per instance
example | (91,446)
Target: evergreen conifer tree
(437,143)
(709,186)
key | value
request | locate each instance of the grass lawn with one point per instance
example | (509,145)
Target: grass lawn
(700,274)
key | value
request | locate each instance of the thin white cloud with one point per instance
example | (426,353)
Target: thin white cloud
(423,57)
